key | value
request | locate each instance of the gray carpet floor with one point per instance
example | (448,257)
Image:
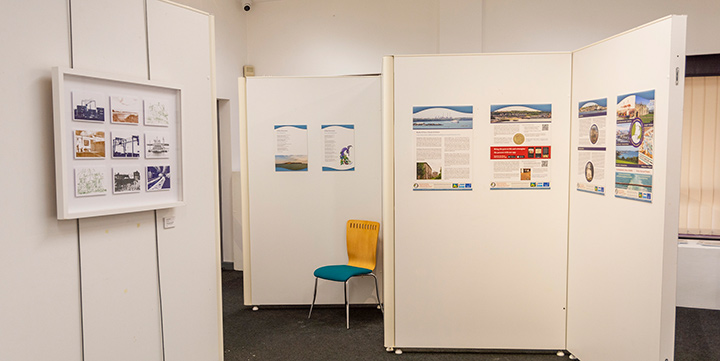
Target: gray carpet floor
(285,333)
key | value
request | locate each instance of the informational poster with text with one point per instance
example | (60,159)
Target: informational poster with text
(634,139)
(592,148)
(339,147)
(291,148)
(443,147)
(521,151)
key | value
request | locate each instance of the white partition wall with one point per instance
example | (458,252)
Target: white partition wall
(622,258)
(89,289)
(297,219)
(39,261)
(182,52)
(484,268)
(118,260)
(550,268)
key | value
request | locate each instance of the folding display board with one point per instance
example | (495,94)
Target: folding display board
(485,267)
(623,252)
(118,144)
(535,197)
(313,163)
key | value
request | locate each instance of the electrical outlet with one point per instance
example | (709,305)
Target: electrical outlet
(248,71)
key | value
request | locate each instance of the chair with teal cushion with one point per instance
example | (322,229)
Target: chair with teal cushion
(362,249)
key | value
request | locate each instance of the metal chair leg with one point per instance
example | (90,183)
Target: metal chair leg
(347,306)
(377,293)
(314,295)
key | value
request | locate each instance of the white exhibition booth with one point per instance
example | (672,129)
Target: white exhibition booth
(568,256)
(297,219)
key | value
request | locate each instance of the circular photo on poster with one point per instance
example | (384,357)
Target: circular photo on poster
(636,132)
(594,134)
(589,171)
(519,138)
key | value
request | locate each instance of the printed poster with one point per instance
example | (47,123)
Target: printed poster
(443,147)
(592,149)
(339,147)
(521,152)
(634,139)
(291,148)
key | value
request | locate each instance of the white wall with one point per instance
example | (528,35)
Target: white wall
(67,284)
(230,56)
(110,37)
(326,37)
(566,25)
(39,270)
(319,37)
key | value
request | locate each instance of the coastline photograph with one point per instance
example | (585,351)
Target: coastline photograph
(622,134)
(592,108)
(291,163)
(442,117)
(521,113)
(626,155)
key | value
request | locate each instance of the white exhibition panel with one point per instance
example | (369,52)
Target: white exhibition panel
(622,253)
(120,293)
(298,219)
(151,293)
(40,315)
(126,322)
(181,46)
(482,268)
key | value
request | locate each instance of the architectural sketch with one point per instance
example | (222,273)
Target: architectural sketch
(158,178)
(89,144)
(125,110)
(127,179)
(90,181)
(125,145)
(88,106)
(157,113)
(157,145)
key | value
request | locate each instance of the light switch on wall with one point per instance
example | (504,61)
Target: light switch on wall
(169,222)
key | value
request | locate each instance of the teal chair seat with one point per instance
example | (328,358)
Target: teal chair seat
(340,273)
(361,238)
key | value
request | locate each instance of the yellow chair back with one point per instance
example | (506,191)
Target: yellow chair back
(362,239)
